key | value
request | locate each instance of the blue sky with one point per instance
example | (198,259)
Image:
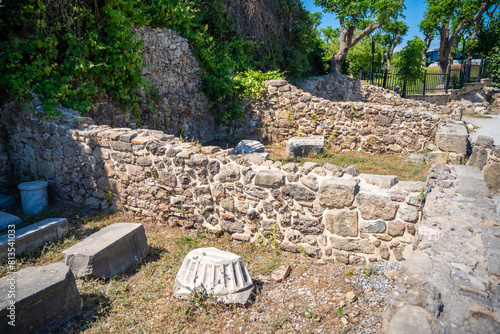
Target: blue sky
(414,13)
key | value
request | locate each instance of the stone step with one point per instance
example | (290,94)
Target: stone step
(30,238)
(109,252)
(38,299)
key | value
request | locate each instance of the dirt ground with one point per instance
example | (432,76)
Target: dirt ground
(317,297)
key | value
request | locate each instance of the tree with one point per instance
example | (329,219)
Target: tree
(360,56)
(494,66)
(391,37)
(409,65)
(449,18)
(365,15)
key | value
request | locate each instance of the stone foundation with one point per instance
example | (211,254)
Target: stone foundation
(321,211)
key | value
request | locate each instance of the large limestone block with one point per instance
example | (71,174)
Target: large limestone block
(382,181)
(228,173)
(342,222)
(303,146)
(109,252)
(374,206)
(452,138)
(269,178)
(44,298)
(216,273)
(30,238)
(337,193)
(353,245)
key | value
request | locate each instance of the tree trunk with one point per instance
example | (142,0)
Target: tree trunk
(388,62)
(338,60)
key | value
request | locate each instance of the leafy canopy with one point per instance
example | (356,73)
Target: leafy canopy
(409,63)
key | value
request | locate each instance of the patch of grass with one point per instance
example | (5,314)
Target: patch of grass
(350,272)
(369,163)
(339,312)
(369,271)
(276,321)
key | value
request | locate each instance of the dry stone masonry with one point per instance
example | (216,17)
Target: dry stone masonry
(383,122)
(323,211)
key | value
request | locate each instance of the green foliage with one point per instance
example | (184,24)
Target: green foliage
(390,37)
(409,66)
(494,66)
(76,52)
(360,56)
(369,271)
(339,312)
(70,53)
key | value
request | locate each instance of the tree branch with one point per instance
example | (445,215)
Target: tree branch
(370,28)
(477,18)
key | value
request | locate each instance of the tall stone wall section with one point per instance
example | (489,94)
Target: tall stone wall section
(450,284)
(176,76)
(403,126)
(5,162)
(486,156)
(322,211)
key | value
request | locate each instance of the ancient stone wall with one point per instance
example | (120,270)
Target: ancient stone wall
(450,284)
(373,126)
(175,75)
(324,211)
(5,162)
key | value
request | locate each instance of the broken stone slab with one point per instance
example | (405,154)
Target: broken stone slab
(410,186)
(303,146)
(6,201)
(452,138)
(45,297)
(30,238)
(217,273)
(108,252)
(382,181)
(249,146)
(7,219)
(281,273)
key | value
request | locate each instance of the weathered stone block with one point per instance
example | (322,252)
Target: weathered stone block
(478,157)
(303,146)
(408,213)
(382,181)
(353,245)
(342,222)
(109,252)
(269,178)
(372,226)
(310,181)
(452,138)
(228,173)
(492,174)
(298,193)
(249,146)
(44,298)
(308,226)
(337,193)
(396,229)
(255,191)
(30,238)
(485,141)
(437,158)
(373,206)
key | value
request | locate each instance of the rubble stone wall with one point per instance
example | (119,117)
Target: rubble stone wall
(450,284)
(322,211)
(486,156)
(383,123)
(176,75)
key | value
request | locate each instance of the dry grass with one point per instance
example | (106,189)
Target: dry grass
(140,301)
(369,163)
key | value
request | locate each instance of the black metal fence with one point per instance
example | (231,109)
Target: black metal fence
(432,80)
